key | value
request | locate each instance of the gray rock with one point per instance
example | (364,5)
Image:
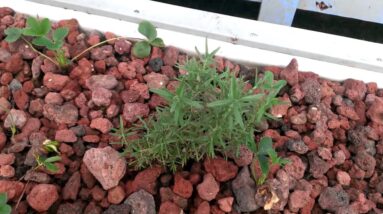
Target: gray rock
(333,198)
(141,202)
(244,190)
(15,85)
(118,209)
(297,146)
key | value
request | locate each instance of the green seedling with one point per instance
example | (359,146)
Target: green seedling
(43,36)
(47,163)
(4,207)
(51,146)
(264,154)
(143,48)
(208,113)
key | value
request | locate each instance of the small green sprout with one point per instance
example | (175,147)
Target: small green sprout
(47,163)
(143,48)
(264,153)
(4,207)
(51,146)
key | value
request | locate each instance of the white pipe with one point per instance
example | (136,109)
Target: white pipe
(188,42)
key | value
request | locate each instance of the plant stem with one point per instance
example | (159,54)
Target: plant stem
(35,50)
(100,43)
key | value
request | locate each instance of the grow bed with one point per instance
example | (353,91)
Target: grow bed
(330,131)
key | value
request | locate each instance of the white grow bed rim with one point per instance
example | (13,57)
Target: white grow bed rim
(188,42)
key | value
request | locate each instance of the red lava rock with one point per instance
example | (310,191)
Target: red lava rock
(226,204)
(130,96)
(66,149)
(333,198)
(209,188)
(21,99)
(6,78)
(281,109)
(14,63)
(298,199)
(221,169)
(299,119)
(147,179)
(5,105)
(65,135)
(354,89)
(318,166)
(156,80)
(132,111)
(87,176)
(142,89)
(116,195)
(93,39)
(122,46)
(168,207)
(311,88)
(343,178)
(12,188)
(55,81)
(182,187)
(296,168)
(98,193)
(325,153)
(290,73)
(66,113)
(71,24)
(313,114)
(16,118)
(101,96)
(375,111)
(72,187)
(106,165)
(103,81)
(7,171)
(366,162)
(127,70)
(203,208)
(244,158)
(101,124)
(53,98)
(42,197)
(171,56)
(7,159)
(4,55)
(91,138)
(348,112)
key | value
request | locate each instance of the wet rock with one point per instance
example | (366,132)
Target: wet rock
(354,89)
(221,169)
(156,80)
(15,118)
(103,81)
(106,165)
(65,135)
(290,73)
(66,113)
(156,64)
(132,111)
(182,187)
(101,124)
(244,190)
(311,88)
(72,187)
(209,188)
(118,209)
(116,195)
(297,146)
(42,196)
(141,202)
(296,168)
(168,207)
(318,167)
(333,198)
(55,81)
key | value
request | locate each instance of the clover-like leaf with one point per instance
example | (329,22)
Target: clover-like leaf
(148,30)
(5,209)
(13,34)
(59,34)
(3,198)
(51,167)
(158,42)
(42,41)
(36,27)
(141,49)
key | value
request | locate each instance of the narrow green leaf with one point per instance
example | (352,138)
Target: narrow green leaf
(141,49)
(265,145)
(60,33)
(163,93)
(5,209)
(158,42)
(45,26)
(3,198)
(219,103)
(50,167)
(252,98)
(193,103)
(52,159)
(13,34)
(32,23)
(264,164)
(148,30)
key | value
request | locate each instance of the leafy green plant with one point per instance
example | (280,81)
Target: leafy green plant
(264,154)
(143,48)
(51,146)
(42,35)
(47,163)
(4,207)
(209,112)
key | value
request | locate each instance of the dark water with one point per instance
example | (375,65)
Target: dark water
(307,20)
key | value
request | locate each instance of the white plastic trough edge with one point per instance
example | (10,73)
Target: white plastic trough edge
(188,42)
